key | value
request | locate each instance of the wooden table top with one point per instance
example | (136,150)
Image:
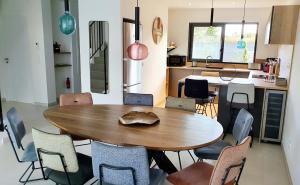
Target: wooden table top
(177,130)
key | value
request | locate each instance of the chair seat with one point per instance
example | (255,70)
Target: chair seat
(29,153)
(213,93)
(157,176)
(84,174)
(212,151)
(196,174)
(205,100)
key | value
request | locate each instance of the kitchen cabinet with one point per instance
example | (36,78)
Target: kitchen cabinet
(282,25)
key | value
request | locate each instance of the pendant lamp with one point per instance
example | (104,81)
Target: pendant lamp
(241,44)
(67,23)
(211,29)
(137,50)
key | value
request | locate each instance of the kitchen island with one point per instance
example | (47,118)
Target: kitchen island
(262,94)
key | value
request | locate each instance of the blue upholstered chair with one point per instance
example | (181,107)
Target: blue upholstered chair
(59,160)
(123,165)
(241,129)
(16,131)
(138,99)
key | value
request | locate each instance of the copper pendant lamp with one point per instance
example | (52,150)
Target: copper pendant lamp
(137,50)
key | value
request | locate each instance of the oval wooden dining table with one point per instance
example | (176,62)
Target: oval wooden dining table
(177,130)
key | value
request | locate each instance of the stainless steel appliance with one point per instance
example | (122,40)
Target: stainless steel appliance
(132,70)
(176,60)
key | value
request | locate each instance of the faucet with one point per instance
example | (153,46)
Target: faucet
(208,57)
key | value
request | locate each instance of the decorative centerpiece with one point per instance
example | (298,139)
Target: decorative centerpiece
(135,117)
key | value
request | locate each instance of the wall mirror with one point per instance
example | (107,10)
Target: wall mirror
(99,59)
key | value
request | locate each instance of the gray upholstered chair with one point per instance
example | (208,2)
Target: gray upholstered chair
(227,170)
(186,104)
(16,131)
(138,99)
(123,165)
(241,129)
(59,160)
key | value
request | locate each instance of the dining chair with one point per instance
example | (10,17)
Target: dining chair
(16,131)
(212,90)
(138,99)
(75,99)
(227,170)
(186,104)
(123,165)
(241,129)
(239,95)
(198,89)
(59,160)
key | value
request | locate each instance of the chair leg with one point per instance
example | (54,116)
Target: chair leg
(211,113)
(32,167)
(216,113)
(191,156)
(95,181)
(179,159)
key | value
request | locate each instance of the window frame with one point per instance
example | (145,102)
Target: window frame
(192,26)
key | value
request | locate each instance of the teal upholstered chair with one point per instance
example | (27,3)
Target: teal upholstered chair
(123,165)
(138,99)
(59,160)
(16,131)
(241,129)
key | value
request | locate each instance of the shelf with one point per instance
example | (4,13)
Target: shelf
(62,65)
(63,53)
(171,48)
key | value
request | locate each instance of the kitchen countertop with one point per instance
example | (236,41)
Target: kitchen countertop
(225,69)
(258,83)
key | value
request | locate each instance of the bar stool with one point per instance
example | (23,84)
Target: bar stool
(239,95)
(198,89)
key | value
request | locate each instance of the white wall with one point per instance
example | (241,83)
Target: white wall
(291,133)
(179,20)
(24,78)
(110,11)
(154,67)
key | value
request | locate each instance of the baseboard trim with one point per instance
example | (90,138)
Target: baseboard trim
(287,165)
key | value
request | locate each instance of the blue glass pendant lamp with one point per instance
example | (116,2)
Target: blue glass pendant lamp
(67,23)
(241,44)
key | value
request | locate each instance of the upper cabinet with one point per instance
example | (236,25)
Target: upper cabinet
(282,25)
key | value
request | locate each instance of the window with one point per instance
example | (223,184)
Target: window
(221,45)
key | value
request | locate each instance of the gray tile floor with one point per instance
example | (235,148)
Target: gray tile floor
(265,164)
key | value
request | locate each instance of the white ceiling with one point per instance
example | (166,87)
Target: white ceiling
(228,3)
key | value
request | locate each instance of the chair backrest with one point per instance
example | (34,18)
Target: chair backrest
(138,99)
(60,144)
(187,104)
(16,127)
(134,157)
(196,88)
(242,125)
(238,92)
(75,99)
(230,156)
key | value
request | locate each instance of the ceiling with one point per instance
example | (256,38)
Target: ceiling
(228,3)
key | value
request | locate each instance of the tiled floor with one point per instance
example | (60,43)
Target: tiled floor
(265,164)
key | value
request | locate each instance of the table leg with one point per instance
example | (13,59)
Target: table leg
(162,161)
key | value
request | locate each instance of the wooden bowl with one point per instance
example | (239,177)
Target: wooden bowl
(135,117)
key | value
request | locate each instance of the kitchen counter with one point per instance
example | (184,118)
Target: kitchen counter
(258,83)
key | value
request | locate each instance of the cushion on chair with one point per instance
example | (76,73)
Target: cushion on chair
(204,101)
(84,174)
(29,154)
(156,176)
(196,174)
(213,93)
(212,151)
